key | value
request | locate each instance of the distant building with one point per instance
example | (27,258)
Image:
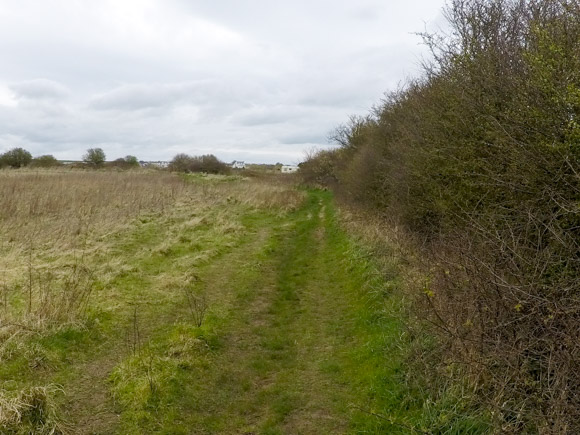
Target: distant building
(288,169)
(238,165)
(158,164)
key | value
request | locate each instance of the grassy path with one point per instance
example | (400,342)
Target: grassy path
(299,334)
(150,303)
(274,374)
(242,307)
(290,344)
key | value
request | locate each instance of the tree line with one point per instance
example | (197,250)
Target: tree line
(479,161)
(19,158)
(96,158)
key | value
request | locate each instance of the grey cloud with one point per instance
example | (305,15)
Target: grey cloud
(140,96)
(268,115)
(40,89)
(260,81)
(222,94)
(304,138)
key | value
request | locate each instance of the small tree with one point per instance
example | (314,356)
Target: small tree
(181,163)
(16,158)
(131,161)
(211,164)
(94,157)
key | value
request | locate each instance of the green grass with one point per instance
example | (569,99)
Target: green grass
(308,344)
(302,332)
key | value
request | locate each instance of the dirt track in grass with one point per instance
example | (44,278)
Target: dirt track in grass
(280,329)
(289,340)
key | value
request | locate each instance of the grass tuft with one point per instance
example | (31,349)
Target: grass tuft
(32,410)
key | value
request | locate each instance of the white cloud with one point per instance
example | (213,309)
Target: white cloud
(254,80)
(7,97)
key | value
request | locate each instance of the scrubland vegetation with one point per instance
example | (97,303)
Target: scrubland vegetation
(208,164)
(477,166)
(88,260)
(152,302)
(443,297)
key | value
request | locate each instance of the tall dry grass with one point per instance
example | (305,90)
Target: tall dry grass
(51,222)
(31,411)
(56,228)
(56,207)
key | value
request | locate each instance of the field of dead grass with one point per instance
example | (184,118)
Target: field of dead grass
(59,231)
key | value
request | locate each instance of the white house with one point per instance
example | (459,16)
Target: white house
(158,164)
(288,169)
(238,165)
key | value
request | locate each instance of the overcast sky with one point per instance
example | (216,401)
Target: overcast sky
(253,80)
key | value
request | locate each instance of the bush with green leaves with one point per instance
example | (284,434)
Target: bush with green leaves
(127,162)
(208,163)
(45,161)
(15,158)
(479,160)
(94,157)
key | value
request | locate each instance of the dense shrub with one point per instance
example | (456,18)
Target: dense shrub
(480,160)
(127,162)
(46,161)
(208,163)
(15,158)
